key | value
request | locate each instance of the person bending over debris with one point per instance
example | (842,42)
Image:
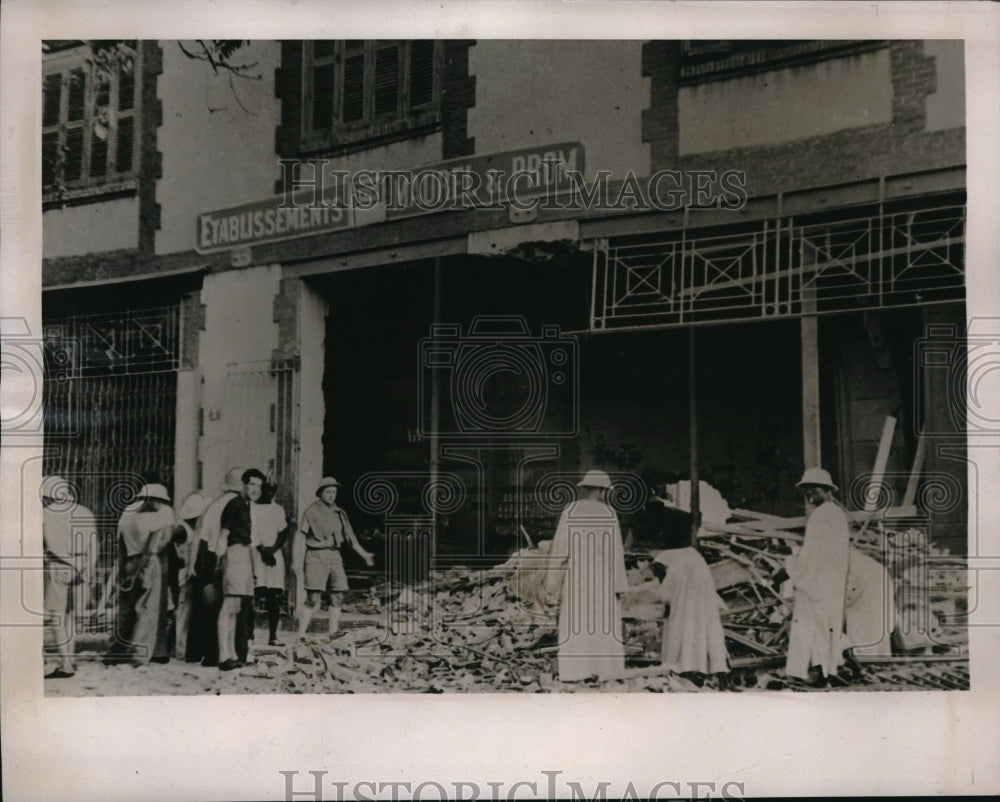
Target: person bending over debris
(235,565)
(693,639)
(316,554)
(587,576)
(817,640)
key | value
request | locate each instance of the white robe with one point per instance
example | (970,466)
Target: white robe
(266,523)
(693,638)
(819,572)
(870,606)
(588,569)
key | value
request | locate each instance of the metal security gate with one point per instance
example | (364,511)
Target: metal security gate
(261,417)
(261,421)
(110,400)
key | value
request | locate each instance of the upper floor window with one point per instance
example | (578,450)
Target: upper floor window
(89,116)
(716,59)
(356,90)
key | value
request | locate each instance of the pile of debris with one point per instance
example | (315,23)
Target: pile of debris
(485,629)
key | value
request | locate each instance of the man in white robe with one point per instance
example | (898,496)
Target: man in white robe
(587,575)
(817,639)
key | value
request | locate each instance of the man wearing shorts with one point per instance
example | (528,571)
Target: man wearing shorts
(235,564)
(322,534)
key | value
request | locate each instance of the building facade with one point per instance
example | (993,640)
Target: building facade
(227,280)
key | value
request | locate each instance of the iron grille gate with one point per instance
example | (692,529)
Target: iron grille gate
(261,418)
(781,269)
(110,400)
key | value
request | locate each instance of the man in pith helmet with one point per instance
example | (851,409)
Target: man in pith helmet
(324,531)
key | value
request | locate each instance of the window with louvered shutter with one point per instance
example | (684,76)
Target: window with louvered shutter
(386,80)
(421,72)
(125,145)
(89,115)
(355,91)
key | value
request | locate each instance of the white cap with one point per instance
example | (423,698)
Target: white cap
(154,492)
(194,505)
(816,476)
(234,479)
(595,479)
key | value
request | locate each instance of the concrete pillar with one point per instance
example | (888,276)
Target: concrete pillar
(809,328)
(186,434)
(311,330)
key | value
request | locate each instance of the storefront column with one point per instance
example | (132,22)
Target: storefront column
(809,327)
(311,328)
(186,479)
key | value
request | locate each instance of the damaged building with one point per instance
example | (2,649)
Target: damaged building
(749,251)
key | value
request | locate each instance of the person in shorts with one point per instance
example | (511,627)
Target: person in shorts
(322,534)
(235,564)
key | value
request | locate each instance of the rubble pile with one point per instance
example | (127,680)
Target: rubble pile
(468,629)
(489,629)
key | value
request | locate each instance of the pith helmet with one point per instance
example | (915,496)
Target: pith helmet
(595,479)
(194,505)
(155,492)
(325,482)
(816,476)
(234,480)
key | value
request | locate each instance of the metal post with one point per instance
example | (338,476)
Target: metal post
(435,392)
(693,414)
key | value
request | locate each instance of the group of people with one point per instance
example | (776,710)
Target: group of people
(187,580)
(209,561)
(841,599)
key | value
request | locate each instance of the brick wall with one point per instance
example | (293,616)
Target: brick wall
(899,146)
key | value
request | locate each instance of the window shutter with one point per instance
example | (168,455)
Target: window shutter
(324,48)
(77,93)
(126,88)
(386,80)
(98,155)
(124,146)
(421,72)
(322,111)
(50,157)
(51,95)
(354,88)
(74,154)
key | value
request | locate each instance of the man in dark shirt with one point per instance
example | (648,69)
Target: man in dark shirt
(235,564)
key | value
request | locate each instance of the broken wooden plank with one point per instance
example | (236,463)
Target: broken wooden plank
(777,527)
(910,496)
(729,572)
(767,661)
(878,472)
(750,644)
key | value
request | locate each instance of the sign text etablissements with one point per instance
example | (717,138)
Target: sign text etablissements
(326,200)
